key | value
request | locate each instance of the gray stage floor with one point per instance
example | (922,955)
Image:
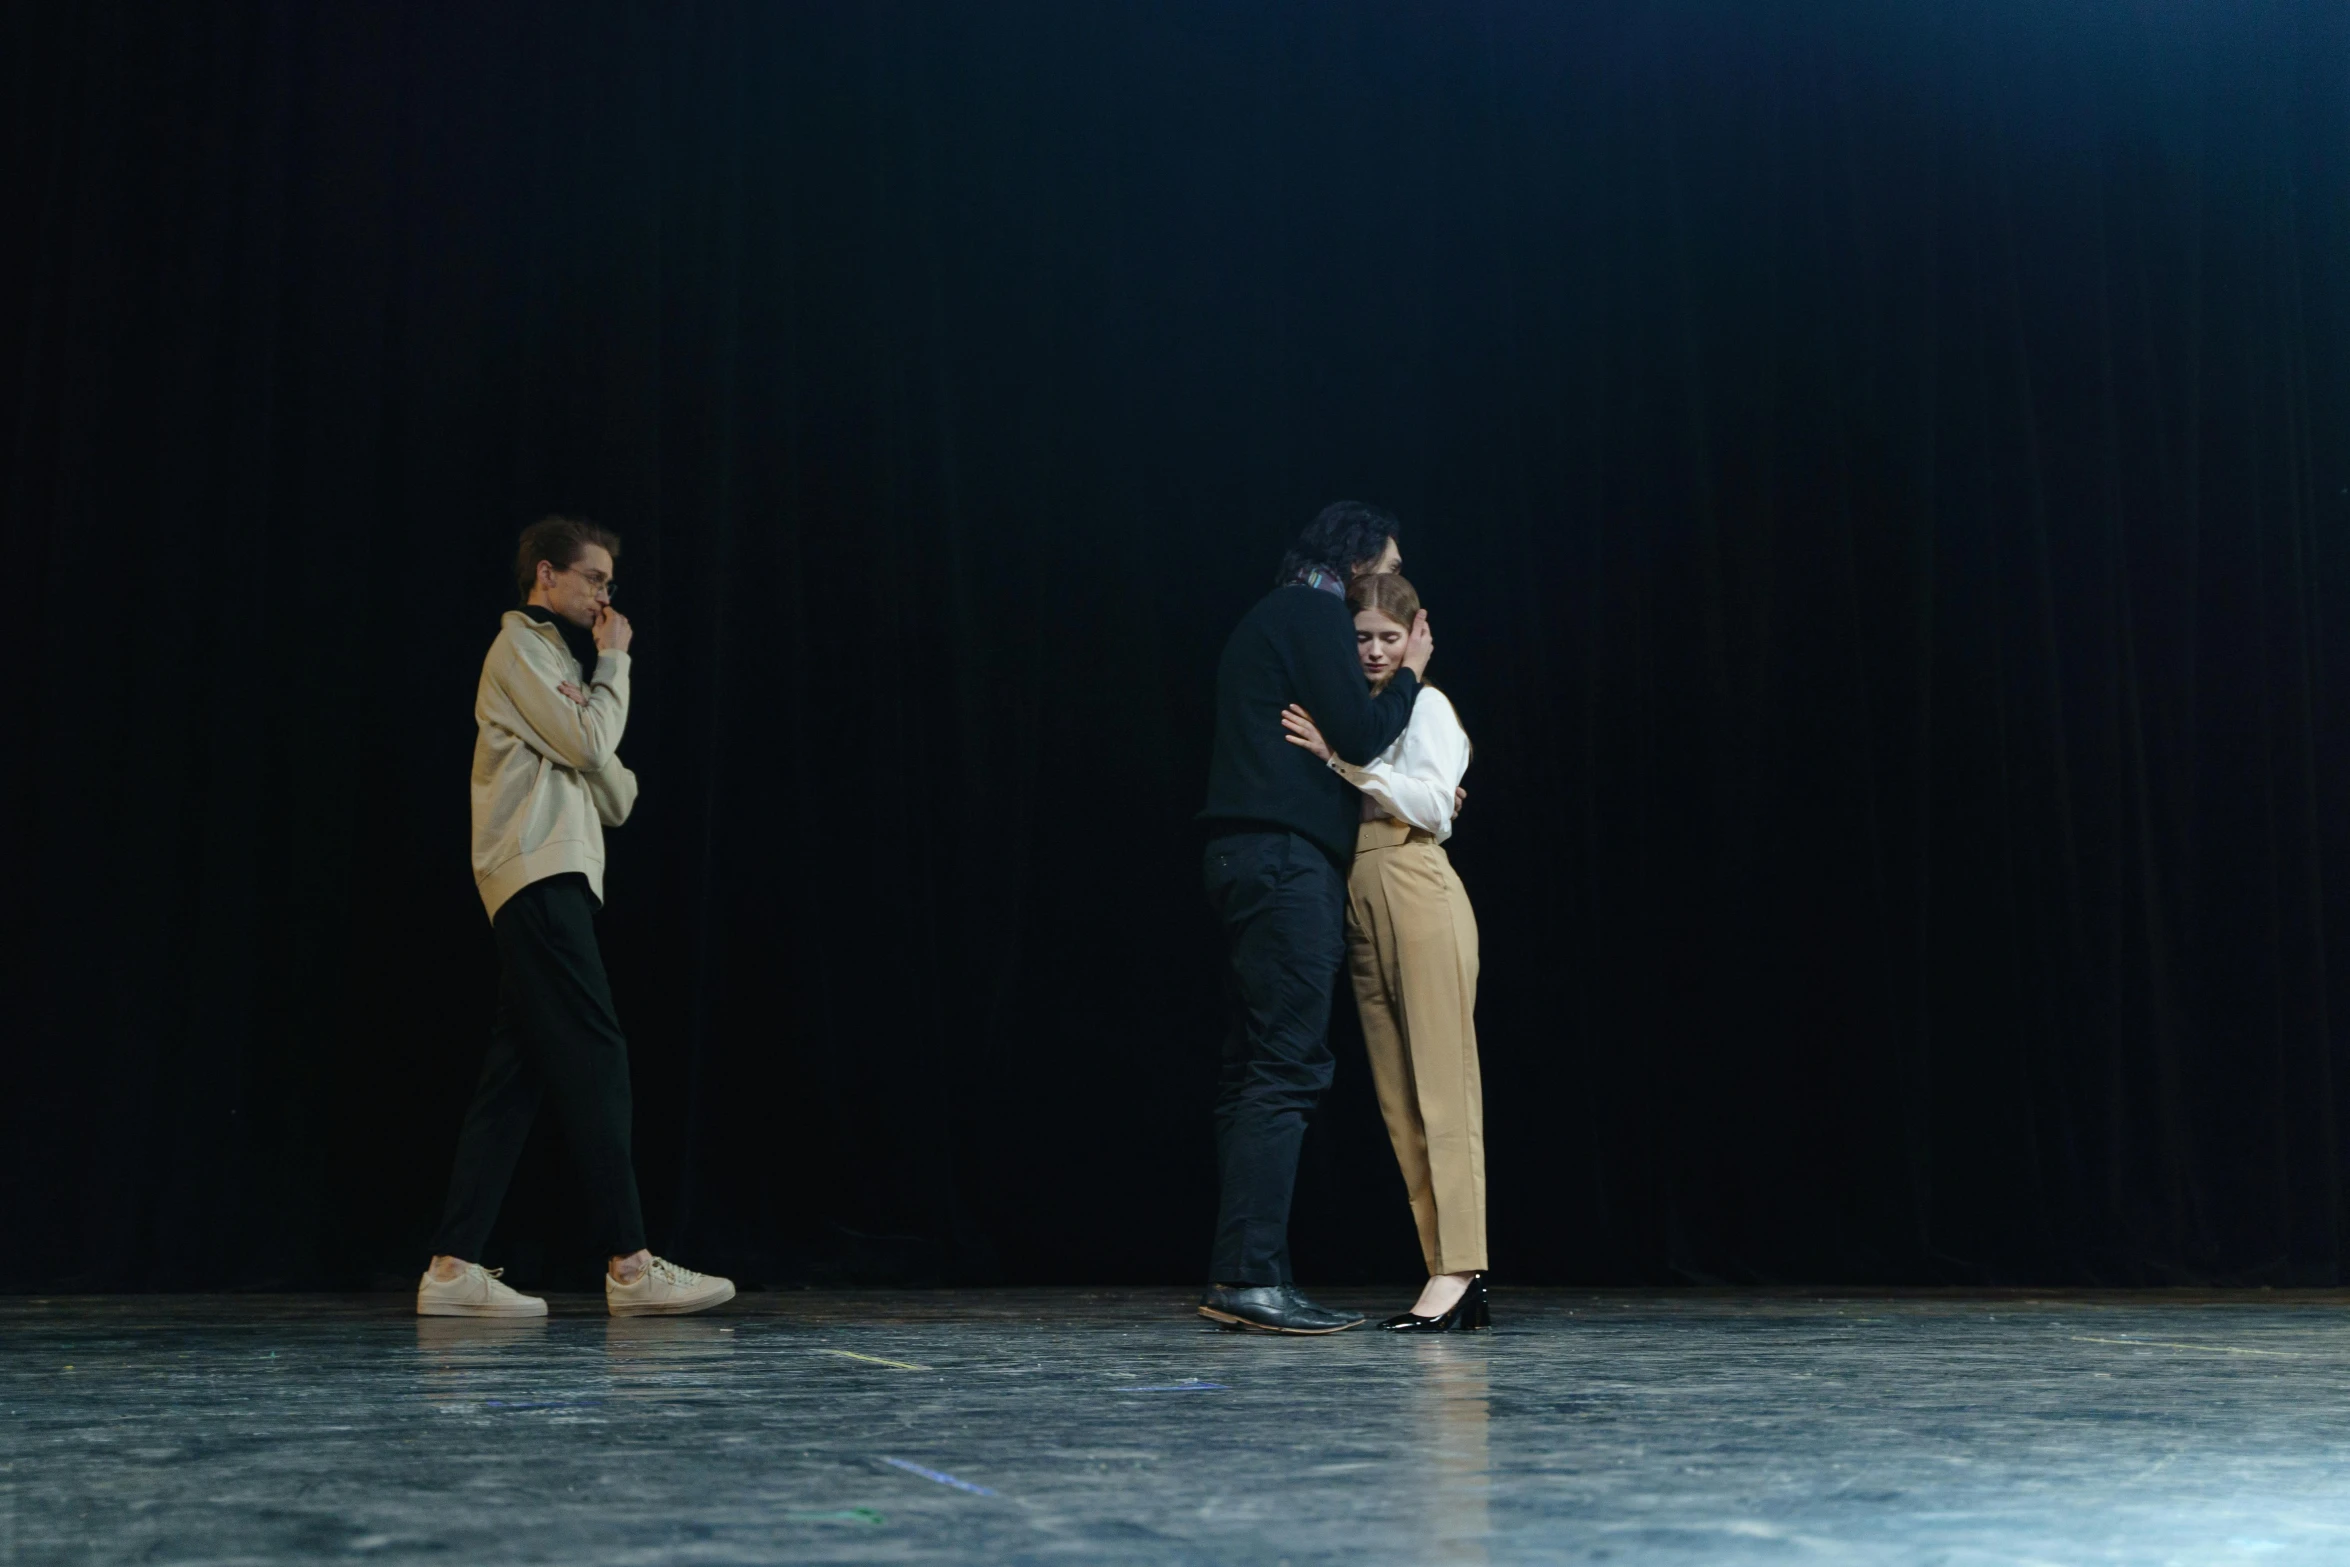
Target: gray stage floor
(1093,1426)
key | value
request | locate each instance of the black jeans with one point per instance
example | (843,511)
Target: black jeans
(1283,908)
(555,1029)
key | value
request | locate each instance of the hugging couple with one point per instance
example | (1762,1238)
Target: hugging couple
(1334,785)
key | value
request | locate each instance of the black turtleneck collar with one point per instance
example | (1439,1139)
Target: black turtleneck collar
(581,642)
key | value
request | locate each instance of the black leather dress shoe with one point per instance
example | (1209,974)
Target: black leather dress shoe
(1271,1308)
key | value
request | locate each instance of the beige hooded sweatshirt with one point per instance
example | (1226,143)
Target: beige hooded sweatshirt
(547,775)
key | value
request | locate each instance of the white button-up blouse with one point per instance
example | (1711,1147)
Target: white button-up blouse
(1413,780)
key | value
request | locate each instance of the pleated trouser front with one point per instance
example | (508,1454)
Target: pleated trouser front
(1411,942)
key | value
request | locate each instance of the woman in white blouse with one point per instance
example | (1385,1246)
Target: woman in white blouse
(1412,949)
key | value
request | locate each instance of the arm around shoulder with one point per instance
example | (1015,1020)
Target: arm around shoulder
(1331,687)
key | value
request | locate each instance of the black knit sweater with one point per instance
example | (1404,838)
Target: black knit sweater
(1297,645)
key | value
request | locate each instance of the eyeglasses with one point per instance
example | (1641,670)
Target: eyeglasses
(601,586)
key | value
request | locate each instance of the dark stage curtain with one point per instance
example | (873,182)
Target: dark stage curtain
(1878,472)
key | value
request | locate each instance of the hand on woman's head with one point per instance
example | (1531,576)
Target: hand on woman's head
(1420,646)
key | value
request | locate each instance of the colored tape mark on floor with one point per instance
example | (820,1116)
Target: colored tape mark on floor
(942,1479)
(1190,1385)
(499,1403)
(874,1360)
(2208,1349)
(839,1515)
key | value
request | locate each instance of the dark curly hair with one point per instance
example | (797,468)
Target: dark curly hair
(1342,537)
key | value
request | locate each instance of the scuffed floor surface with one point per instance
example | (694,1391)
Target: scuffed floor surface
(1092,1426)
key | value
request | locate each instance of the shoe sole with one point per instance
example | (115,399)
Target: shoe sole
(459,1309)
(1231,1321)
(670,1308)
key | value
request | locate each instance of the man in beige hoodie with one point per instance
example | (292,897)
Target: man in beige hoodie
(547,781)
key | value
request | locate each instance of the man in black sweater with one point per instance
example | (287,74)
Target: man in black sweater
(1281,834)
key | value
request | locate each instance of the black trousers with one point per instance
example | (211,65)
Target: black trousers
(555,1029)
(1283,908)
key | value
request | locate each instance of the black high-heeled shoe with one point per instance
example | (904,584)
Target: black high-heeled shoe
(1468,1314)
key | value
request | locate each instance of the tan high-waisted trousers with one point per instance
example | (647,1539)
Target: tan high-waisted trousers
(1411,945)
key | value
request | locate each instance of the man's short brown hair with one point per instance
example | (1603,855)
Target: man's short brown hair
(558,541)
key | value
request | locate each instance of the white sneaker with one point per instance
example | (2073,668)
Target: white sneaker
(475,1292)
(665,1290)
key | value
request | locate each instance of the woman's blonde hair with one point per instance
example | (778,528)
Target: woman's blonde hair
(1388,593)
